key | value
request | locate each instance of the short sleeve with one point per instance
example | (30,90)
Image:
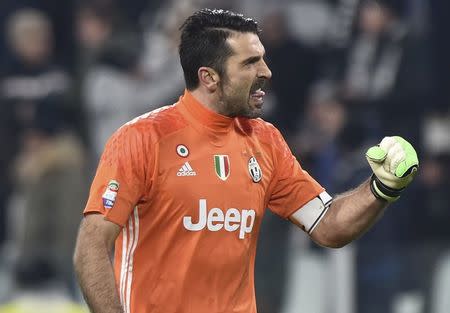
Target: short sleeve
(293,186)
(120,182)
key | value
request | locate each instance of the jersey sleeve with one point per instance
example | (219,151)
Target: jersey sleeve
(293,186)
(120,182)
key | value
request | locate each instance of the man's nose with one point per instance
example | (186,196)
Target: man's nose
(265,72)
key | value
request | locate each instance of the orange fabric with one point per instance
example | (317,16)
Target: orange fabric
(190,229)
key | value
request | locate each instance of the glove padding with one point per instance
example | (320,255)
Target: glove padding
(394,164)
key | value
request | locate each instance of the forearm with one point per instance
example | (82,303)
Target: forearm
(350,215)
(95,274)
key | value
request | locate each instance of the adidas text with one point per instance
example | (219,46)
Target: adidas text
(186,170)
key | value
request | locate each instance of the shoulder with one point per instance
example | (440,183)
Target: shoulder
(135,140)
(156,124)
(264,131)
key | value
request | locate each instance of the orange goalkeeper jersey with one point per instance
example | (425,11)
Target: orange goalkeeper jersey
(189,187)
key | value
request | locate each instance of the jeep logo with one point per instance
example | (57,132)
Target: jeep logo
(231,220)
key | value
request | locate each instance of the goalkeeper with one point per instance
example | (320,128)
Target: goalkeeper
(181,191)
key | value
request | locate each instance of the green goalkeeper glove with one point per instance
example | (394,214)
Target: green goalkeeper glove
(394,164)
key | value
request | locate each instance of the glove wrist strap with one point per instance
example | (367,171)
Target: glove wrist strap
(383,192)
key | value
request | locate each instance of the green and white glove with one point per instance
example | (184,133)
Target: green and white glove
(394,164)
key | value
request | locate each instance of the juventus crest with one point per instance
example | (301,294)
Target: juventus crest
(254,170)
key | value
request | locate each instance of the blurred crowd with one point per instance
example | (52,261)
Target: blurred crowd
(345,74)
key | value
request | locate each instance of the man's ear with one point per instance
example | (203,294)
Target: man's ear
(209,78)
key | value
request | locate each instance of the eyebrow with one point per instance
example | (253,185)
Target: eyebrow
(252,59)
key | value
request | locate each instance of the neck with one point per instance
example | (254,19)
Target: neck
(208,99)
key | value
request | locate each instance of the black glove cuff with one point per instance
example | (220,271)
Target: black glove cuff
(388,191)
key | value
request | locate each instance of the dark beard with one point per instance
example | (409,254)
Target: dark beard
(234,107)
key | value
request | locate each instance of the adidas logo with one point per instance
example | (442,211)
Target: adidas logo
(186,170)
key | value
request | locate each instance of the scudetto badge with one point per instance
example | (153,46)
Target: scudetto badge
(222,166)
(254,170)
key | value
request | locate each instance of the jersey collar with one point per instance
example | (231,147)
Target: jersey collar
(212,120)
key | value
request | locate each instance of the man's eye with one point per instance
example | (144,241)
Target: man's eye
(252,61)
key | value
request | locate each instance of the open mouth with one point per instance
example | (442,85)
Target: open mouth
(257,92)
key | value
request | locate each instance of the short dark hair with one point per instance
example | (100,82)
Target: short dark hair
(203,41)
